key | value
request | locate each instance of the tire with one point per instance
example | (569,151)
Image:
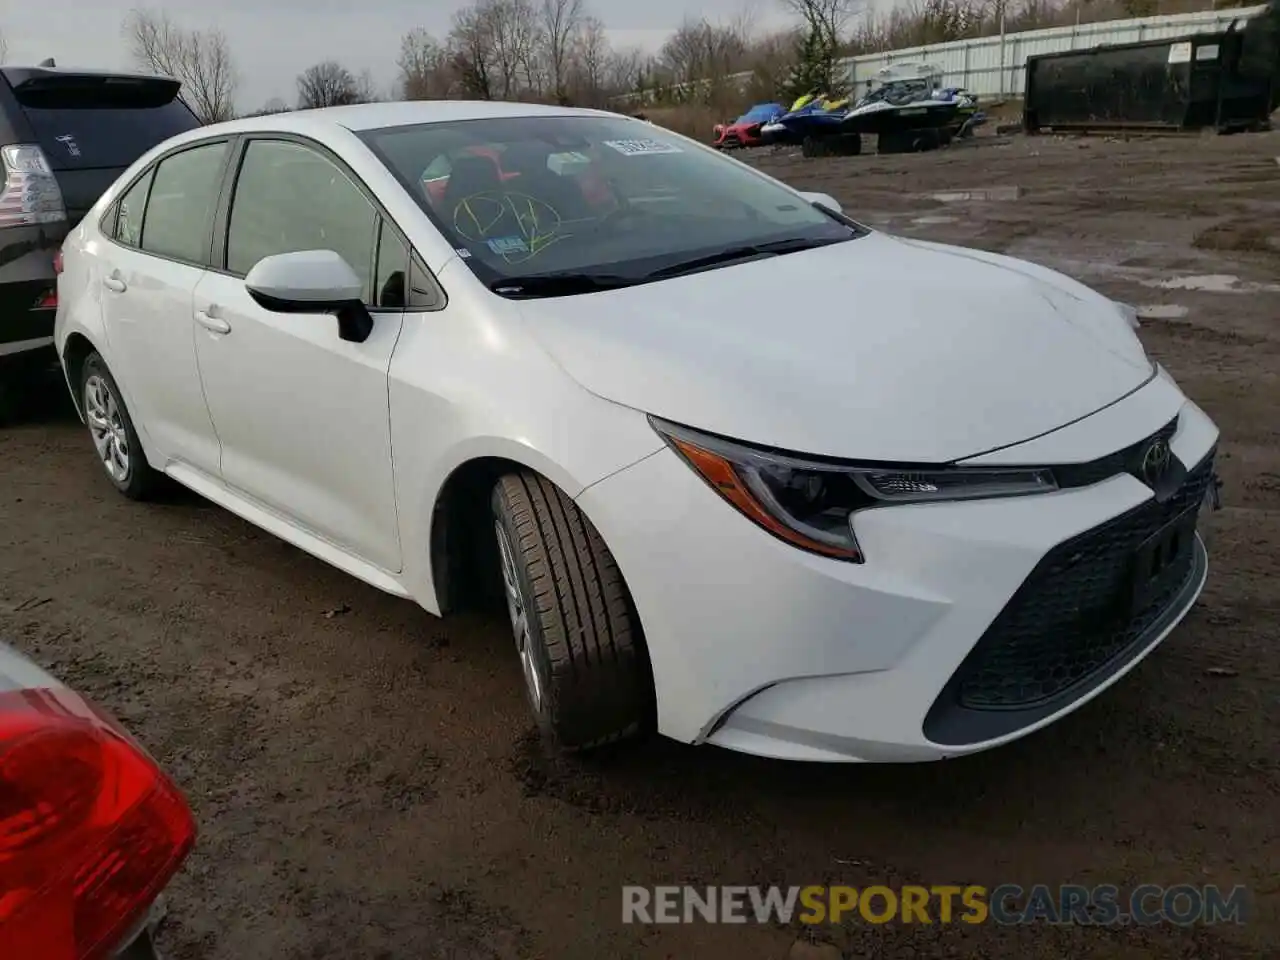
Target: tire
(115,440)
(890,143)
(848,145)
(22,377)
(587,675)
(813,147)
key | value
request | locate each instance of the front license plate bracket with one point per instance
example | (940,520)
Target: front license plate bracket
(1159,556)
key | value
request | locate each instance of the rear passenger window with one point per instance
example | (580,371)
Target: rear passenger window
(130,210)
(290,198)
(184,193)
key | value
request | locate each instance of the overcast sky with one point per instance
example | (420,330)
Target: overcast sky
(274,40)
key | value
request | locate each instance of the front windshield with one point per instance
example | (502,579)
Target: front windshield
(529,196)
(761,111)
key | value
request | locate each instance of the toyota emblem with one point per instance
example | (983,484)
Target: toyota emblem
(1156,461)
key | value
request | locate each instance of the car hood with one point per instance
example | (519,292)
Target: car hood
(877,349)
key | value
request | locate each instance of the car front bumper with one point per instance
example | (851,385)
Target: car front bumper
(969,625)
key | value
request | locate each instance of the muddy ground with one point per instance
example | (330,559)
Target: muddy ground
(365,777)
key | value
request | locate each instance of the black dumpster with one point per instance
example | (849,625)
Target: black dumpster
(1228,80)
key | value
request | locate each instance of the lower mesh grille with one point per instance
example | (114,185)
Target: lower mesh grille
(1074,614)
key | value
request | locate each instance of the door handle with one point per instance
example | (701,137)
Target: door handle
(211,323)
(115,284)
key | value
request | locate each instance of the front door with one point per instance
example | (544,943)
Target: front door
(302,415)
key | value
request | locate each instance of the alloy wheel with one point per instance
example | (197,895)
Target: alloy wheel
(519,613)
(106,426)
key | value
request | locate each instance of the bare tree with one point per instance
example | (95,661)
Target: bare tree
(514,34)
(330,84)
(471,52)
(828,18)
(561,23)
(590,60)
(200,59)
(625,69)
(274,105)
(425,70)
(700,50)
(367,88)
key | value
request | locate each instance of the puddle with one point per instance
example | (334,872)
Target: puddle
(1161,311)
(932,221)
(1213,283)
(966,196)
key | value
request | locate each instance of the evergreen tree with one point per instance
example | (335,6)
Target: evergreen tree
(815,67)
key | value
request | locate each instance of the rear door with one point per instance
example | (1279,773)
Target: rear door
(159,249)
(92,126)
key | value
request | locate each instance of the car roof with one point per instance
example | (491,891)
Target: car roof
(375,116)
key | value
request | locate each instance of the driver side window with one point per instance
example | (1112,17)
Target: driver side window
(289,198)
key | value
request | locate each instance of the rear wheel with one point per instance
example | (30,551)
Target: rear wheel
(586,673)
(111,429)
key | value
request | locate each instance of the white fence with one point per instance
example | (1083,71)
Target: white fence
(994,66)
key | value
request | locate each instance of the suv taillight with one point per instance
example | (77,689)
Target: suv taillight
(30,193)
(90,829)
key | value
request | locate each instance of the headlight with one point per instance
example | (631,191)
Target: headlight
(811,503)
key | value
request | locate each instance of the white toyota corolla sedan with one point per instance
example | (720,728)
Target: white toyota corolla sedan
(747,472)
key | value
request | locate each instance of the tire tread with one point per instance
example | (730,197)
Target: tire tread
(599,686)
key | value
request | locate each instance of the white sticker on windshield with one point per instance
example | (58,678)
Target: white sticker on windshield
(635,148)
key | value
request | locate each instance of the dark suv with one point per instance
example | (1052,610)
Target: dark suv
(65,135)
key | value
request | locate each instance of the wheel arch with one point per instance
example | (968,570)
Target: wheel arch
(75,351)
(459,523)
(463,563)
(463,560)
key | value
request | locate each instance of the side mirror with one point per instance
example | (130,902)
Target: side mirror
(823,200)
(312,281)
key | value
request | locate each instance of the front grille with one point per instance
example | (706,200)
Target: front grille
(1072,616)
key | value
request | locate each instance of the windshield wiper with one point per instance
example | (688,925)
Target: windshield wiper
(745,252)
(560,284)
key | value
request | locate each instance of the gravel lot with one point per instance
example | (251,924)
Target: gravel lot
(365,777)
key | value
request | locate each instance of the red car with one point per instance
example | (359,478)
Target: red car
(745,131)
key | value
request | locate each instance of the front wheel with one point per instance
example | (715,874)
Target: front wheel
(111,429)
(586,673)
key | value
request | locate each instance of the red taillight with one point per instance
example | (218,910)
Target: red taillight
(29,192)
(57,261)
(90,829)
